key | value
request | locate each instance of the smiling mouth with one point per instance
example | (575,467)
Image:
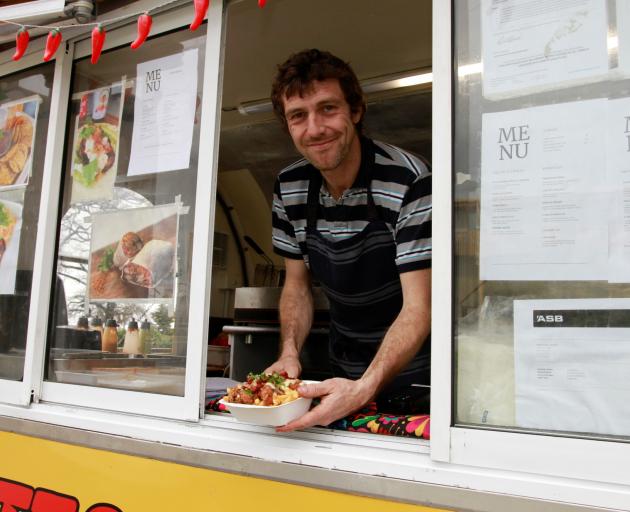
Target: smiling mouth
(316,145)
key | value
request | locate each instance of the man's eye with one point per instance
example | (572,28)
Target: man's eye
(330,108)
(296,116)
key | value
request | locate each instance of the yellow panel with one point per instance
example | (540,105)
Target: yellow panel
(136,484)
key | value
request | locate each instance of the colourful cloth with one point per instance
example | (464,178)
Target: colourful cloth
(367,419)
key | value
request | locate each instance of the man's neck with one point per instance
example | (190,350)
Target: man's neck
(341,178)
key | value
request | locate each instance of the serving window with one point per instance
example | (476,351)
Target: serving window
(124,250)
(541,283)
(24,114)
(390,51)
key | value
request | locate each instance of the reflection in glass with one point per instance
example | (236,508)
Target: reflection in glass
(498,381)
(24,116)
(125,236)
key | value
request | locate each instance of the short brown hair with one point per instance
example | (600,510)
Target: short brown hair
(297,73)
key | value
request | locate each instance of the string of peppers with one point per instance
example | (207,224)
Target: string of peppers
(54,38)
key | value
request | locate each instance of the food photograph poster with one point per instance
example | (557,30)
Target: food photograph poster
(18,120)
(94,158)
(10,229)
(133,254)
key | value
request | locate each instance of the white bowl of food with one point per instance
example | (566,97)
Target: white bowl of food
(272,400)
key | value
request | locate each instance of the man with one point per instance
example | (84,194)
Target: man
(354,214)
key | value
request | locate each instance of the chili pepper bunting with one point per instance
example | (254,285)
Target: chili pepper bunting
(21,43)
(52,43)
(201,7)
(144,27)
(145,21)
(98,40)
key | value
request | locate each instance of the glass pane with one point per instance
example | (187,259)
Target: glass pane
(541,299)
(127,214)
(390,42)
(24,114)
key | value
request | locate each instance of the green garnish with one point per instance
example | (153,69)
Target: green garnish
(248,391)
(107,260)
(87,174)
(86,131)
(275,378)
(4,215)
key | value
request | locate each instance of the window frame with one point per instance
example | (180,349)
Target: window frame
(19,392)
(489,448)
(189,406)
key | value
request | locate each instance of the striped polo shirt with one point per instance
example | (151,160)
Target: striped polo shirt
(401,190)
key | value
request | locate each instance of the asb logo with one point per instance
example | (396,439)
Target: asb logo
(549,319)
(18,497)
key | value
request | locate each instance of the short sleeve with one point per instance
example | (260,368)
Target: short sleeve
(283,235)
(413,226)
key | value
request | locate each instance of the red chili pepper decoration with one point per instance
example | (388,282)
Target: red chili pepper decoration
(52,43)
(21,42)
(261,3)
(98,40)
(144,27)
(201,7)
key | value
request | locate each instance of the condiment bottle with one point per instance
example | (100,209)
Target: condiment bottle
(145,337)
(109,341)
(132,338)
(97,325)
(83,323)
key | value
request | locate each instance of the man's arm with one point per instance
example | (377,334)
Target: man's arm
(296,317)
(402,341)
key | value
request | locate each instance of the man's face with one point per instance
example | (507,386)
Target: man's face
(321,124)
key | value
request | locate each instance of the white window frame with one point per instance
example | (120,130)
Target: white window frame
(19,392)
(588,460)
(189,406)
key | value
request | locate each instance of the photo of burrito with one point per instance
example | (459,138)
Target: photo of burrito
(133,254)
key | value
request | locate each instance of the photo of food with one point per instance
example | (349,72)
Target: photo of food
(17,135)
(10,228)
(133,254)
(95,143)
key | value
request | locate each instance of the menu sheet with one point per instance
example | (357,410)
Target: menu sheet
(572,365)
(164,114)
(543,193)
(618,174)
(534,45)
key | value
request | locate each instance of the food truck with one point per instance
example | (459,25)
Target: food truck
(138,278)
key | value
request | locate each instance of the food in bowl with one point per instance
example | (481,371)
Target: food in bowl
(264,389)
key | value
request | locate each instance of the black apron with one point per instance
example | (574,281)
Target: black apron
(361,281)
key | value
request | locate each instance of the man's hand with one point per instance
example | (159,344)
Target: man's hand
(339,397)
(289,364)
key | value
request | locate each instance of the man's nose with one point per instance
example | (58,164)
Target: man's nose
(314,126)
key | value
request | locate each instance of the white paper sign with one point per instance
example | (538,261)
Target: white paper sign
(618,173)
(538,44)
(542,193)
(164,114)
(572,365)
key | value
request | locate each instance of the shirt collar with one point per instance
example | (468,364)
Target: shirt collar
(365,168)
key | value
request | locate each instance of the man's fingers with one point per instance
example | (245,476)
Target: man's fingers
(310,419)
(315,389)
